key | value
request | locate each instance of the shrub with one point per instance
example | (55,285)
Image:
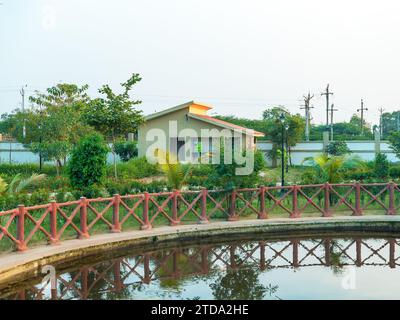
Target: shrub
(224,175)
(394,172)
(126,150)
(87,165)
(26,169)
(136,168)
(381,166)
(337,148)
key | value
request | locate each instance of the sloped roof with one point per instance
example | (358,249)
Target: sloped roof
(176,108)
(225,124)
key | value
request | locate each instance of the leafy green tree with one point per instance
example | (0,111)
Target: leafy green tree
(390,123)
(381,166)
(88,162)
(293,135)
(394,140)
(337,148)
(53,125)
(114,115)
(126,150)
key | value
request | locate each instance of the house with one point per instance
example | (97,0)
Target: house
(187,131)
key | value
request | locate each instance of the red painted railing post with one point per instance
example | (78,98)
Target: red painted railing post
(263,264)
(295,205)
(358,209)
(175,219)
(21,246)
(262,214)
(146,268)
(295,253)
(358,252)
(392,253)
(232,207)
(392,207)
(53,222)
(203,203)
(84,227)
(327,246)
(116,227)
(327,200)
(146,220)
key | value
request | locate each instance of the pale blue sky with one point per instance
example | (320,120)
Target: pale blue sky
(238,55)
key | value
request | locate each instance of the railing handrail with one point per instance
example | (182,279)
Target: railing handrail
(169,205)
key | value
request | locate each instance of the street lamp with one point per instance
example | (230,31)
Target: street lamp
(285,127)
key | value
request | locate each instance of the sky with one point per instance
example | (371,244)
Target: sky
(241,56)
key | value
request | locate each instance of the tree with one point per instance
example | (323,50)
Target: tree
(331,168)
(114,115)
(381,166)
(394,140)
(53,124)
(88,162)
(126,150)
(337,148)
(293,135)
(390,123)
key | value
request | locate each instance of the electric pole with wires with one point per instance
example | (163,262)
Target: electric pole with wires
(362,109)
(307,108)
(22,92)
(381,122)
(332,110)
(327,93)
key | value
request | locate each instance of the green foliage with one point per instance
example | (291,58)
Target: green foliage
(337,148)
(394,140)
(135,168)
(344,130)
(175,171)
(381,166)
(26,169)
(333,168)
(390,123)
(394,172)
(87,165)
(19,183)
(126,150)
(225,176)
(53,124)
(114,115)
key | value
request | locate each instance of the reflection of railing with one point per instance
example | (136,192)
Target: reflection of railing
(56,221)
(114,276)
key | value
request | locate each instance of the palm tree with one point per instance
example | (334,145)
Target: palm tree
(176,172)
(18,183)
(331,168)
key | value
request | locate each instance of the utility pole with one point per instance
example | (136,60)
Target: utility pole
(332,110)
(381,122)
(22,92)
(327,94)
(362,109)
(307,108)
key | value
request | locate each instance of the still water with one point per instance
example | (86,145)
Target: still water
(294,268)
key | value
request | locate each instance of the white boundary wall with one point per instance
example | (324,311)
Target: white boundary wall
(364,149)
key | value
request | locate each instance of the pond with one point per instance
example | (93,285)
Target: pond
(312,267)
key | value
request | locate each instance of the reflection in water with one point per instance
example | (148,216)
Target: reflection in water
(291,269)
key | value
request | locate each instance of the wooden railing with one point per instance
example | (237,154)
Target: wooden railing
(53,222)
